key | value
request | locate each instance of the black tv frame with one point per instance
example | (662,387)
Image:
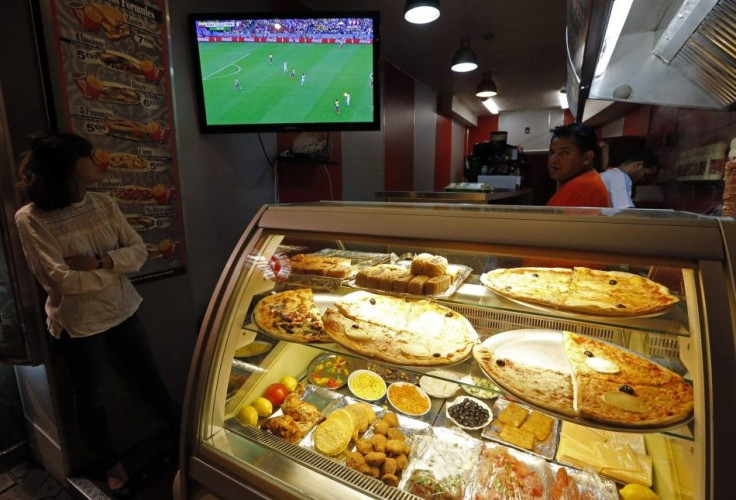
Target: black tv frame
(205,128)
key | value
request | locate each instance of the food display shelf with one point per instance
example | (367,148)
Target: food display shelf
(686,253)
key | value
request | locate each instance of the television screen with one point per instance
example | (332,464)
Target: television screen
(306,71)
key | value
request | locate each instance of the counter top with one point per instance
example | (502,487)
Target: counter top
(454,196)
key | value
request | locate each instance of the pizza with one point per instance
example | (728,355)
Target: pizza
(604,383)
(584,290)
(399,331)
(291,315)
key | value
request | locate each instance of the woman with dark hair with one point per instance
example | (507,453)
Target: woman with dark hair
(573,156)
(80,247)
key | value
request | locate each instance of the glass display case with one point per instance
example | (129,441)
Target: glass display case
(227,452)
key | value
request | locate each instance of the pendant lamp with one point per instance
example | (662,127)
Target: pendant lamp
(464,59)
(421,11)
(487,87)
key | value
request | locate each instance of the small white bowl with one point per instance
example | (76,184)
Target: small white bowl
(435,383)
(477,401)
(419,391)
(374,376)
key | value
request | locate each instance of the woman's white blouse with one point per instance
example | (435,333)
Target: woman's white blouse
(83,302)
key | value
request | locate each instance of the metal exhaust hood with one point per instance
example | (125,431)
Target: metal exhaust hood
(670,52)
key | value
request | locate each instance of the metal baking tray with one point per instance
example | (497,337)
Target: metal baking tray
(545,449)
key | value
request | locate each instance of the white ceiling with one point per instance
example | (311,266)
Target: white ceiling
(522,43)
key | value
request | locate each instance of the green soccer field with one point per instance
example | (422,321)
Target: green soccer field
(267,95)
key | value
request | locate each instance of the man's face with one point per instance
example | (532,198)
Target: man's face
(566,161)
(639,173)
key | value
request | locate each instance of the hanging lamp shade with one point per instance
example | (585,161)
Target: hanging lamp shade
(487,87)
(464,59)
(421,11)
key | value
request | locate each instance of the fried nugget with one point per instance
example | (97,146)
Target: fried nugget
(381,427)
(395,433)
(370,471)
(390,479)
(401,462)
(389,466)
(407,450)
(391,418)
(395,447)
(363,446)
(375,458)
(379,442)
(355,460)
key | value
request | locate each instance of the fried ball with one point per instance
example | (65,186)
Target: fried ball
(363,446)
(390,479)
(379,442)
(401,462)
(395,447)
(355,460)
(389,466)
(395,433)
(375,458)
(391,418)
(370,471)
(381,427)
(407,450)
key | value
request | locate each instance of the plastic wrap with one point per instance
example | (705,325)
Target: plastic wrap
(506,474)
(441,464)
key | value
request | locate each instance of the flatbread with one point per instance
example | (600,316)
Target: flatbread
(392,329)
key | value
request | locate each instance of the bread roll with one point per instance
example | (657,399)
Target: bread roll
(437,284)
(436,266)
(416,285)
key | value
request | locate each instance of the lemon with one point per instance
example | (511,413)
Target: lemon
(637,492)
(289,381)
(263,406)
(248,415)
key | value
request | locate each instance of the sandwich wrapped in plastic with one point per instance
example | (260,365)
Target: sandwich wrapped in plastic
(507,474)
(441,464)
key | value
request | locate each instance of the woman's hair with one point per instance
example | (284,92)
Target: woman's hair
(47,168)
(584,138)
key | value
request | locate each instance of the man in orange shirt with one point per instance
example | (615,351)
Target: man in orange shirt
(573,153)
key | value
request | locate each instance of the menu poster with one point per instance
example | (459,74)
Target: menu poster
(115,92)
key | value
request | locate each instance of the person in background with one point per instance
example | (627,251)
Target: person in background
(80,247)
(634,170)
(573,156)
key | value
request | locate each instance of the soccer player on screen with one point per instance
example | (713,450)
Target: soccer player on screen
(270,58)
(285,67)
(293,73)
(236,84)
(337,106)
(347,99)
(371,79)
(303,79)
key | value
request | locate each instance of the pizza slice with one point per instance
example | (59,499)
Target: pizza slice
(616,293)
(375,308)
(542,387)
(291,315)
(597,359)
(632,404)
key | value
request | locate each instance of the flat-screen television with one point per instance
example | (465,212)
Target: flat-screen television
(303,71)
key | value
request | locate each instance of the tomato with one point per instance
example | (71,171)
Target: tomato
(276,393)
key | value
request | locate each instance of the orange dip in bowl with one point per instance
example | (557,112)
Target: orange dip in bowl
(408,398)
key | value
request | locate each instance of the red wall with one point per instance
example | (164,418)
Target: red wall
(670,131)
(481,132)
(398,109)
(308,180)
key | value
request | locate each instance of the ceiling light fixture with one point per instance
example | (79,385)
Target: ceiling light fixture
(487,87)
(464,59)
(619,14)
(421,11)
(490,106)
(563,98)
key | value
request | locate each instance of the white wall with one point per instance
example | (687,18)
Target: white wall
(363,155)
(530,129)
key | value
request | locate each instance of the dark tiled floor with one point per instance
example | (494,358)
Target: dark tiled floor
(29,481)
(151,468)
